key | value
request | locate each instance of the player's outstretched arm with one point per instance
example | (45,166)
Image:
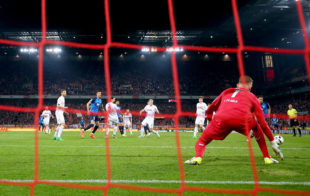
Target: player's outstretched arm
(258,112)
(213,107)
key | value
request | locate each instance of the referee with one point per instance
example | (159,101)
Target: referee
(292,113)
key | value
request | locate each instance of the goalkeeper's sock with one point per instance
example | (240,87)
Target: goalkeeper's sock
(260,139)
(95,129)
(201,146)
(195,131)
(60,130)
(294,131)
(88,127)
(299,131)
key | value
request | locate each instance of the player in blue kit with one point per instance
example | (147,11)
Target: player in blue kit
(120,119)
(82,125)
(265,107)
(275,124)
(93,107)
(41,125)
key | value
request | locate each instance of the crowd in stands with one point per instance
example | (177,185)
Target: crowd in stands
(300,103)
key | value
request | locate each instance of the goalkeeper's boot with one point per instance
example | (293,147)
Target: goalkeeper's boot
(124,135)
(270,161)
(92,136)
(194,137)
(54,138)
(60,139)
(82,134)
(194,161)
(276,149)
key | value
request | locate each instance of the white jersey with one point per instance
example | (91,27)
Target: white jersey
(111,108)
(46,114)
(127,117)
(201,109)
(61,102)
(150,111)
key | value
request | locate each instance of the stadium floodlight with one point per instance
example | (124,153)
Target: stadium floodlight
(177,49)
(153,49)
(28,50)
(54,50)
(145,49)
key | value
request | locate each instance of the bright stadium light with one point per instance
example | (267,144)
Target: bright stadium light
(54,50)
(28,50)
(145,49)
(177,49)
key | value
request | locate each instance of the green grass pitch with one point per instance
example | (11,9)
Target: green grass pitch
(136,161)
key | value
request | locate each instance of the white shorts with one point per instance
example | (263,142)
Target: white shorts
(113,121)
(60,117)
(200,120)
(148,121)
(127,124)
(46,121)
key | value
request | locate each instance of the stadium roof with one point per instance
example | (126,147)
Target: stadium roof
(271,23)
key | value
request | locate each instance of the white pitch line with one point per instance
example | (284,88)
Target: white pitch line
(172,181)
(172,147)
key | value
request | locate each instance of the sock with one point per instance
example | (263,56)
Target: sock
(56,132)
(145,131)
(95,129)
(130,130)
(299,131)
(107,131)
(60,130)
(115,130)
(121,130)
(195,131)
(201,146)
(260,139)
(88,127)
(141,131)
(294,131)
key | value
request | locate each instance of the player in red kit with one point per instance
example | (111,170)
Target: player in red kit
(237,109)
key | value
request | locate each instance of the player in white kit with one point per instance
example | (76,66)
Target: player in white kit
(200,115)
(111,109)
(60,115)
(128,121)
(47,114)
(150,110)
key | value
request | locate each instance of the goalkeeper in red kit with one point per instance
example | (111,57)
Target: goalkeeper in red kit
(237,109)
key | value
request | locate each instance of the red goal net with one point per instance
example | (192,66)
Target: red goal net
(179,113)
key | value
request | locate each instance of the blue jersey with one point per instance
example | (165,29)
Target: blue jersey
(41,120)
(275,121)
(95,104)
(265,107)
(120,118)
(82,122)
